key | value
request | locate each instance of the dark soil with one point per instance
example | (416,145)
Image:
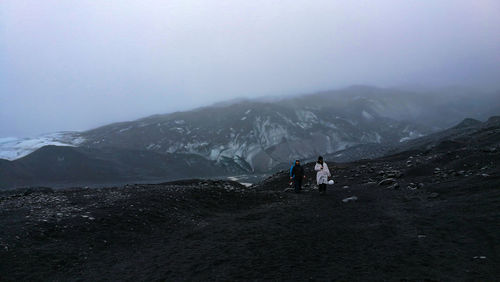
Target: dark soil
(440,222)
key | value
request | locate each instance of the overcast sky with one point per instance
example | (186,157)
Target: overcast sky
(76,64)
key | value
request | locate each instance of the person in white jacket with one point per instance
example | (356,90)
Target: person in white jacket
(322,176)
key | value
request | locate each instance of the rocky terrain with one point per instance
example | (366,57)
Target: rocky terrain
(425,214)
(455,136)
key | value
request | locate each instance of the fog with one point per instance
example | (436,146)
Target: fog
(75,64)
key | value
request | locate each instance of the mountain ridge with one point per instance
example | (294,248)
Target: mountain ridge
(259,136)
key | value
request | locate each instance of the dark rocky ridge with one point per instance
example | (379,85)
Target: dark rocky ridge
(430,213)
(68,166)
(465,134)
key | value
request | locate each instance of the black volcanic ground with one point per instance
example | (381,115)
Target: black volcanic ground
(430,214)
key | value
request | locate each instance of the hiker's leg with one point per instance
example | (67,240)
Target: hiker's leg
(322,188)
(297,185)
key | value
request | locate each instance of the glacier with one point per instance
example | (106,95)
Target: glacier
(12,148)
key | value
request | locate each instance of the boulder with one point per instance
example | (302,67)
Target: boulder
(387,181)
(412,186)
(350,199)
(393,186)
(434,195)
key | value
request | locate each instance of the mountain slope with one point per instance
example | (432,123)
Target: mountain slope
(459,135)
(429,214)
(259,136)
(63,166)
(249,136)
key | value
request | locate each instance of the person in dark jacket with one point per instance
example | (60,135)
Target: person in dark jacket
(297,174)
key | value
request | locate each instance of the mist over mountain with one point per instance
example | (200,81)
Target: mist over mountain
(259,135)
(243,136)
(157,140)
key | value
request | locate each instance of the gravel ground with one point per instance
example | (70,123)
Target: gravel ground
(415,216)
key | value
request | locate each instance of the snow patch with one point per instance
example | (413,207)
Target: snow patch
(153,146)
(306,119)
(125,129)
(269,133)
(236,179)
(411,135)
(366,115)
(286,119)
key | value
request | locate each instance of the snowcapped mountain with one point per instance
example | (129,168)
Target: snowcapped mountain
(239,137)
(257,136)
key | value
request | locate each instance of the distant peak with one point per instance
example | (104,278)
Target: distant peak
(468,122)
(494,120)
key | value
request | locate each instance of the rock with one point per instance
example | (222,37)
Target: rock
(421,236)
(421,185)
(434,195)
(393,186)
(485,175)
(350,199)
(387,181)
(288,190)
(345,187)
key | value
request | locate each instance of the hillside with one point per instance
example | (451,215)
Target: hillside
(430,213)
(77,166)
(242,137)
(260,135)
